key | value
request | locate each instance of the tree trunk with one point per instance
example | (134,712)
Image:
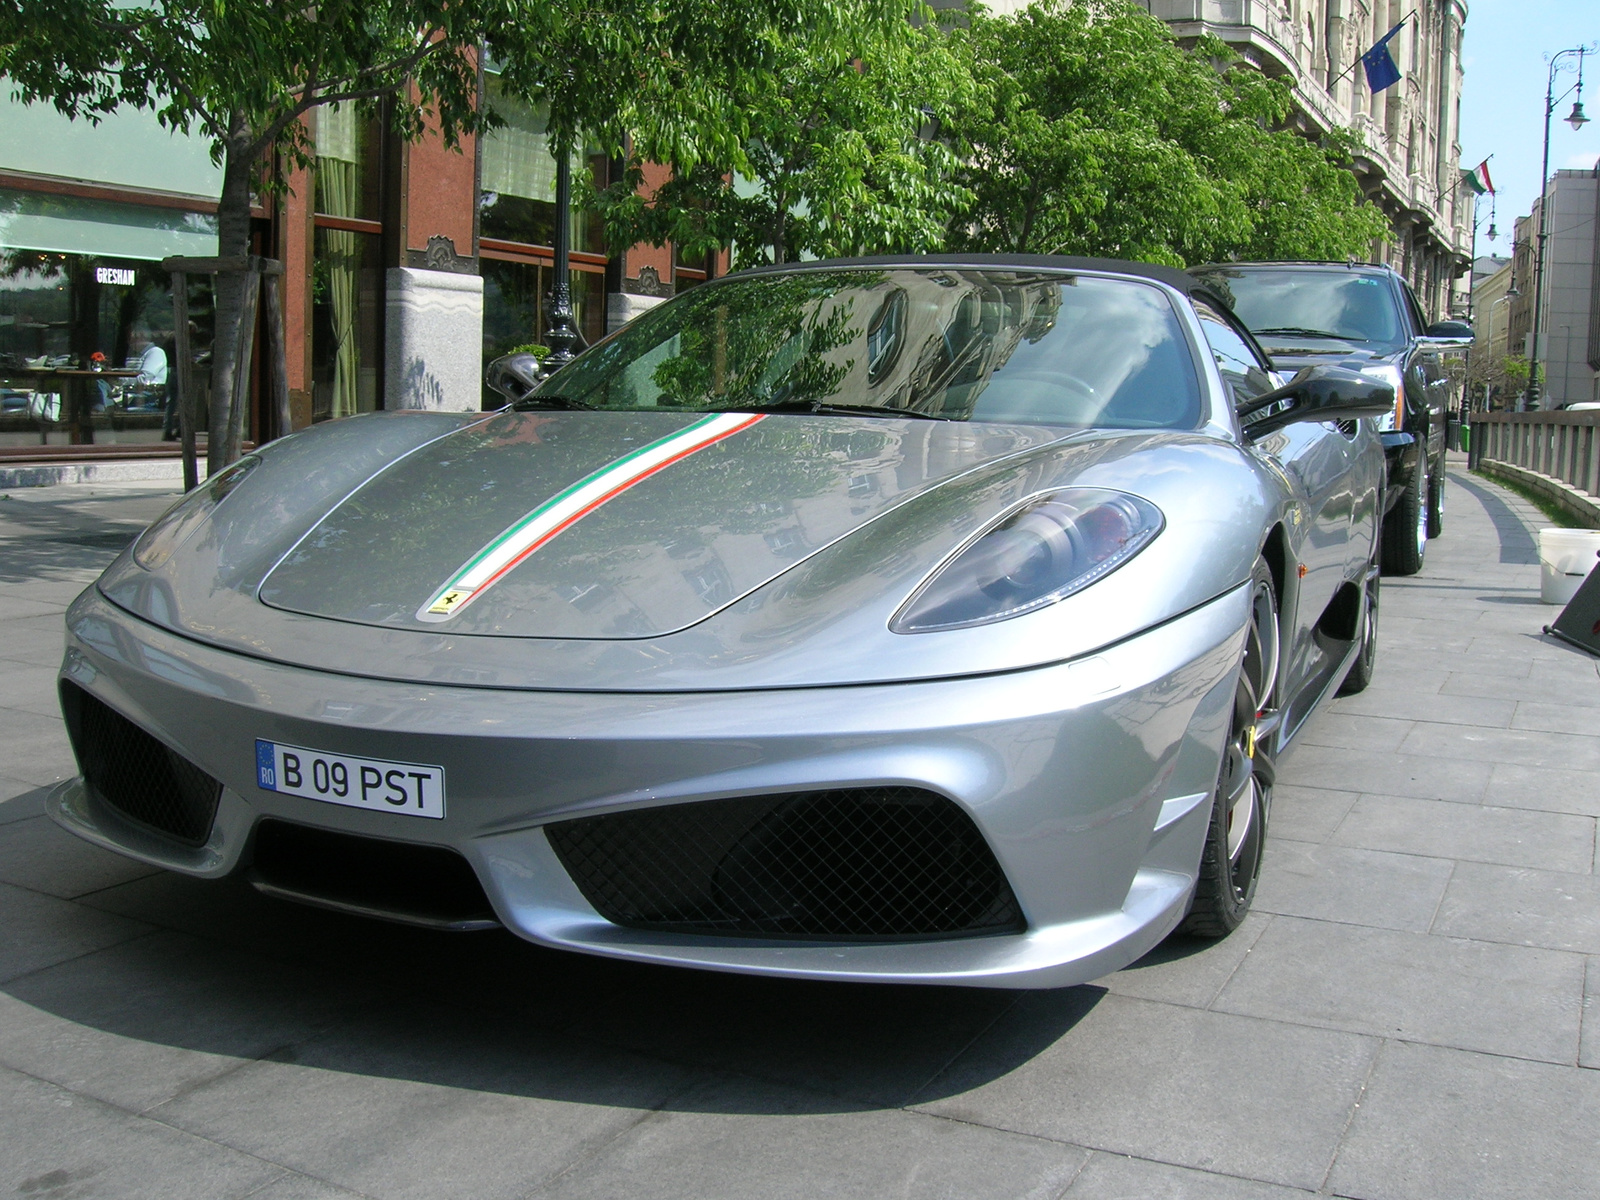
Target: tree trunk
(1028,213)
(228,292)
(780,213)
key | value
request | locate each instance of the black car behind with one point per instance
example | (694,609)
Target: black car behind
(1365,317)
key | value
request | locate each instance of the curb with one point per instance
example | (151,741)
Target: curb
(1579,505)
(155,470)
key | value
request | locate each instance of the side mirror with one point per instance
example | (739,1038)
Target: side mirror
(514,375)
(1325,393)
(1447,335)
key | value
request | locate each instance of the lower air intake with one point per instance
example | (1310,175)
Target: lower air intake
(881,864)
(431,886)
(137,775)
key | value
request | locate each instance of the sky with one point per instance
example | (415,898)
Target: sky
(1502,101)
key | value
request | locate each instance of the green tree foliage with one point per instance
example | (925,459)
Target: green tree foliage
(242,73)
(656,76)
(1094,132)
(1493,381)
(824,155)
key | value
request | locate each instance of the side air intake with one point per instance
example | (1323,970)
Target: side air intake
(143,779)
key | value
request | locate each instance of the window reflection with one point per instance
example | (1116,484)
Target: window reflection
(87,353)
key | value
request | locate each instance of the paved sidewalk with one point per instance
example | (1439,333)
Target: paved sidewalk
(1403,1015)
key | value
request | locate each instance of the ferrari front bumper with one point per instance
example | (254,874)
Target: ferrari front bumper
(1089,780)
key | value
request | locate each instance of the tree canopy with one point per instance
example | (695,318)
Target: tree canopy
(830,160)
(1094,132)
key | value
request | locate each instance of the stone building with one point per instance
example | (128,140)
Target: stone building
(1410,166)
(1493,292)
(1570,325)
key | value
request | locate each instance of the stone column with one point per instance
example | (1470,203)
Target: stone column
(433,340)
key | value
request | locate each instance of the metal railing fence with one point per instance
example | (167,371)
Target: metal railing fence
(1564,445)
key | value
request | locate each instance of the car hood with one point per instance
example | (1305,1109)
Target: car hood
(610,525)
(775,557)
(1290,354)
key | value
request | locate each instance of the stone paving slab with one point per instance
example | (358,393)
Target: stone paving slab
(1412,1010)
(1441,1124)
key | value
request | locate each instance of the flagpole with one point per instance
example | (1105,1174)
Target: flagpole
(1339,78)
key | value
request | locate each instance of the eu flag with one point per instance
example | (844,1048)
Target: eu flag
(1379,63)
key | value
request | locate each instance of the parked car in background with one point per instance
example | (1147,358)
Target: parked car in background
(1368,318)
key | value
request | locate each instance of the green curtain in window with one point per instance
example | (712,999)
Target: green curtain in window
(337,182)
(338,195)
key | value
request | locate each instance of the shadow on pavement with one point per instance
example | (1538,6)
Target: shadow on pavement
(235,973)
(48,539)
(1516,543)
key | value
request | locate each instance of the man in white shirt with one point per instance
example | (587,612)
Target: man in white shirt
(153,375)
(152,364)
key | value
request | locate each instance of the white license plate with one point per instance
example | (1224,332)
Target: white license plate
(411,789)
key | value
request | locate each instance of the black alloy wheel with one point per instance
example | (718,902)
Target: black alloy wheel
(1230,862)
(1405,530)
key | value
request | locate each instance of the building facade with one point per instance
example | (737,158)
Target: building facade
(407,267)
(1492,296)
(1410,164)
(1570,324)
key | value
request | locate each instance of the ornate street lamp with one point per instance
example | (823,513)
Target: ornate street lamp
(561,325)
(1530,399)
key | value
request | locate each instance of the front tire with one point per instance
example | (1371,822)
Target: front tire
(1230,862)
(1405,530)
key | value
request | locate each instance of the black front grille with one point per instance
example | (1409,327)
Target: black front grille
(429,884)
(886,864)
(137,775)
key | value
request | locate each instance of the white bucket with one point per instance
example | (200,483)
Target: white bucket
(1566,556)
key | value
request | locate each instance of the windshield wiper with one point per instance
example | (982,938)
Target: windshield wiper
(1296,331)
(821,408)
(537,400)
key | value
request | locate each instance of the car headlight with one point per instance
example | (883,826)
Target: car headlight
(1390,375)
(157,544)
(1051,547)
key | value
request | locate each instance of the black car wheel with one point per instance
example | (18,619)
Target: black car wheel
(1405,530)
(1230,863)
(1436,500)
(1360,673)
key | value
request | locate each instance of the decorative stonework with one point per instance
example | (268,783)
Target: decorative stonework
(648,283)
(441,256)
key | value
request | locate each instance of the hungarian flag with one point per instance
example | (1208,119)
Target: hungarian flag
(1477,180)
(1379,63)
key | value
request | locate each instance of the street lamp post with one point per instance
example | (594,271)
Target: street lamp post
(1577,120)
(561,326)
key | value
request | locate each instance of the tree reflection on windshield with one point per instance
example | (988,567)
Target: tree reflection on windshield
(955,343)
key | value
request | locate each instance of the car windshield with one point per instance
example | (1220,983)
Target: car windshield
(959,344)
(1281,304)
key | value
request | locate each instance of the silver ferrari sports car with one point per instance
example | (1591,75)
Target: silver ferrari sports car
(906,619)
